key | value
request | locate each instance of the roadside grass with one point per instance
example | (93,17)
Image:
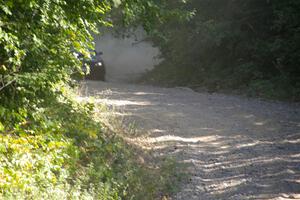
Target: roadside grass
(66,152)
(152,177)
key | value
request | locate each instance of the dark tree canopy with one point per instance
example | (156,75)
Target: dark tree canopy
(251,45)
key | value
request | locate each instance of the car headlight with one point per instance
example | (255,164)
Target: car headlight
(99,64)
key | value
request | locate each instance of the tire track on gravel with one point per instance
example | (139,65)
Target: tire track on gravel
(237,148)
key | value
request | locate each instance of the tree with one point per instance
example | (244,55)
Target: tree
(38,38)
(48,141)
(251,45)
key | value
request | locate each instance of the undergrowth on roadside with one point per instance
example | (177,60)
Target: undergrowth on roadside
(61,152)
(50,145)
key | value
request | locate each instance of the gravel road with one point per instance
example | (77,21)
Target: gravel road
(237,148)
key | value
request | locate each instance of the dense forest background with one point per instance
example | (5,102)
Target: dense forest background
(251,46)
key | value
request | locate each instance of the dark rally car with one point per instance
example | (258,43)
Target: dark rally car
(96,65)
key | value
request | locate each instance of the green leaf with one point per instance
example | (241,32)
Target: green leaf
(5,9)
(2,128)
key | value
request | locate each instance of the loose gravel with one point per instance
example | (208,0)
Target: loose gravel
(236,147)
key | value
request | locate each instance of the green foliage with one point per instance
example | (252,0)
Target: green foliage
(50,146)
(38,38)
(247,45)
(65,154)
(36,43)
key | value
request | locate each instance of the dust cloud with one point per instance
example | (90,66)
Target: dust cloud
(126,58)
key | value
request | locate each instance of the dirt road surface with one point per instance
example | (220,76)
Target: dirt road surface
(237,148)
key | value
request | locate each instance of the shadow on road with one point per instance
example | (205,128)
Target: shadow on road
(237,148)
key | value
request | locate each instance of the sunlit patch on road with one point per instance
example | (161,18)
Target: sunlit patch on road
(234,148)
